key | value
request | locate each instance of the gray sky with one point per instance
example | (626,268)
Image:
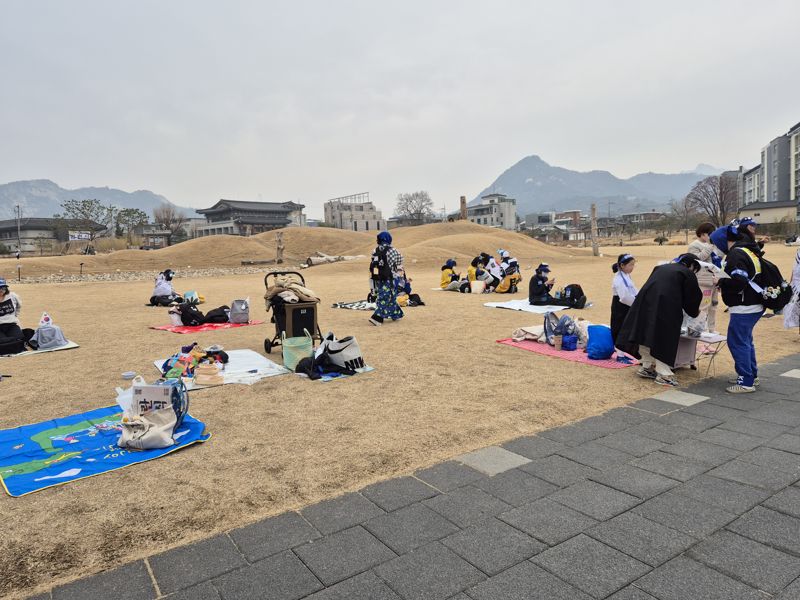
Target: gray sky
(199,100)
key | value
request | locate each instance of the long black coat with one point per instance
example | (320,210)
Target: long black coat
(656,316)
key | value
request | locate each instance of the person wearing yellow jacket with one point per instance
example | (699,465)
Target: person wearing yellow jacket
(452,281)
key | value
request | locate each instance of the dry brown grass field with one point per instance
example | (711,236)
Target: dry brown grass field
(441,386)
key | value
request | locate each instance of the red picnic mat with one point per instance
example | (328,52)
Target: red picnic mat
(574,355)
(202,328)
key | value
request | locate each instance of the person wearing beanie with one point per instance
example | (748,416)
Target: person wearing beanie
(623,294)
(744,304)
(541,285)
(386,263)
(655,317)
(11,334)
(451,281)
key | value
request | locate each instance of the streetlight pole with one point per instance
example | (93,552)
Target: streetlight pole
(19,241)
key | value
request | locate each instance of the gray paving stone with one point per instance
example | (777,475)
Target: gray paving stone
(279,577)
(730,439)
(776,459)
(410,527)
(728,495)
(630,415)
(635,481)
(643,539)
(671,465)
(658,407)
(341,555)
(558,470)
(631,593)
(591,566)
(189,565)
(689,421)
(525,581)
(739,402)
(273,535)
(630,443)
(711,454)
(754,427)
(204,591)
(792,592)
(786,442)
(432,572)
(548,521)
(397,493)
(493,546)
(340,513)
(769,527)
(598,501)
(366,586)
(755,475)
(685,514)
(713,411)
(585,430)
(781,413)
(46,596)
(758,566)
(448,475)
(685,579)
(516,487)
(786,501)
(128,582)
(596,455)
(466,506)
(533,446)
(492,460)
(679,397)
(656,430)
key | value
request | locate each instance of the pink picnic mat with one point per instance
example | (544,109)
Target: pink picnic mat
(574,356)
(202,328)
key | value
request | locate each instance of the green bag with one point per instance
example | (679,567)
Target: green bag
(296,348)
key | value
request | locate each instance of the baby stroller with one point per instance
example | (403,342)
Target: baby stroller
(290,318)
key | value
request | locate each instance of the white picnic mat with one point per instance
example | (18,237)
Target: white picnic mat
(69,346)
(244,366)
(524,306)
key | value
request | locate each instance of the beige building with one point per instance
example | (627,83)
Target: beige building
(771,212)
(355,212)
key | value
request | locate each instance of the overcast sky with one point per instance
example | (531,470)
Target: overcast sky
(200,100)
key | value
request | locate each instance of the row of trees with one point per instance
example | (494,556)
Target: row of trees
(123,221)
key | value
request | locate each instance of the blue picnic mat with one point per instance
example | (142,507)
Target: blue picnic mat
(41,455)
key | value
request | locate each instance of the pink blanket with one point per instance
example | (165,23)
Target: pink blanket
(202,328)
(574,356)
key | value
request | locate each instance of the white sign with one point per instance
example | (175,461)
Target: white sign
(78,236)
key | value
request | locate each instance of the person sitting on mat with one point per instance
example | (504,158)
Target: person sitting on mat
(511,273)
(477,272)
(12,339)
(493,267)
(163,292)
(624,293)
(451,281)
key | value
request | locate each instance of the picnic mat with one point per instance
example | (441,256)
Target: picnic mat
(573,356)
(202,328)
(357,305)
(524,306)
(244,366)
(68,346)
(42,455)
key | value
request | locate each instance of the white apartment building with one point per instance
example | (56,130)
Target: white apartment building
(494,210)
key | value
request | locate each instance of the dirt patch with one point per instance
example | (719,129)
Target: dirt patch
(442,386)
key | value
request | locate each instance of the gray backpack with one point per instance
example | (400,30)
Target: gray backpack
(48,336)
(240,311)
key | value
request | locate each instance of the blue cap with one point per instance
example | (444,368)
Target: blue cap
(384,237)
(3,282)
(544,268)
(745,221)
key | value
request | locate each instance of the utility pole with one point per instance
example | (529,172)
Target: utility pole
(595,247)
(19,240)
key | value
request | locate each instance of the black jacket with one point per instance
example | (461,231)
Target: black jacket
(538,290)
(736,291)
(656,315)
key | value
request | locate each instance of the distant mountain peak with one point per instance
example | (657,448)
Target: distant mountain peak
(705,169)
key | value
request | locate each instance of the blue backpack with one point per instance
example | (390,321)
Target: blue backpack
(601,343)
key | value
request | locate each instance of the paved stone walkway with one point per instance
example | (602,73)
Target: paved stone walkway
(686,495)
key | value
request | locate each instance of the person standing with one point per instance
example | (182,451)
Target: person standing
(742,264)
(705,252)
(386,262)
(655,317)
(791,314)
(624,293)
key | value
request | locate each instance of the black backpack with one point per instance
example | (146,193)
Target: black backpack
(379,264)
(191,315)
(574,294)
(218,315)
(775,291)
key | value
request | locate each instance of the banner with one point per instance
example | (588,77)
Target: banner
(80,236)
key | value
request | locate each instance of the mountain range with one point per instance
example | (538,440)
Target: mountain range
(43,198)
(540,187)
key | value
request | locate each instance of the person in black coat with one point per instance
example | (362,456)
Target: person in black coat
(655,318)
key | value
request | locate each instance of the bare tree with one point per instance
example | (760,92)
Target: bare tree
(86,214)
(416,206)
(715,197)
(170,219)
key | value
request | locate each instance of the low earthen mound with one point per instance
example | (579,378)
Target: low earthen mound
(300,242)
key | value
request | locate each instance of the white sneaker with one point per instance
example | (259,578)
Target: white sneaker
(741,389)
(668,381)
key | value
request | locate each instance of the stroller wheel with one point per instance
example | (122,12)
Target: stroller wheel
(267,346)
